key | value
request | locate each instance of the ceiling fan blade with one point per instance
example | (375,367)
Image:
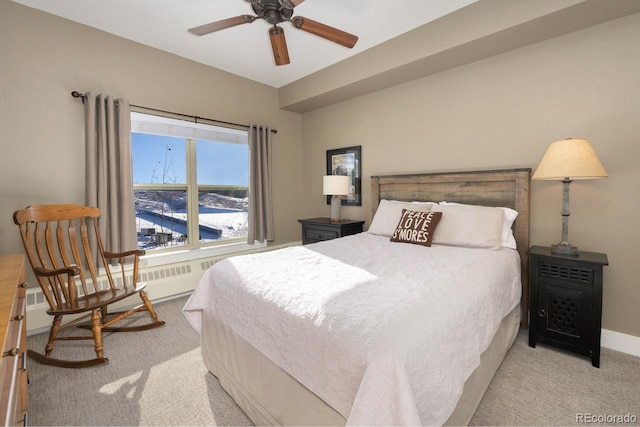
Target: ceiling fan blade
(292,3)
(324,31)
(279,45)
(221,25)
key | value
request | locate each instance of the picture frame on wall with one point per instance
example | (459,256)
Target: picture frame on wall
(347,161)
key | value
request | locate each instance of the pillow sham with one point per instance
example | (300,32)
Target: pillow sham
(469,226)
(510,215)
(388,215)
(416,227)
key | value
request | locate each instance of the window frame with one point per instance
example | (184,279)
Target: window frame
(193,249)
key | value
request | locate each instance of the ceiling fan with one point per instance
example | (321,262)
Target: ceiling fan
(275,12)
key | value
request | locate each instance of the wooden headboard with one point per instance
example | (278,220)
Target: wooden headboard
(508,188)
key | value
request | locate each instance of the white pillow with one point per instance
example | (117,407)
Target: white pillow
(469,226)
(510,215)
(389,213)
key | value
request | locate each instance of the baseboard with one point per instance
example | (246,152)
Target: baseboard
(624,343)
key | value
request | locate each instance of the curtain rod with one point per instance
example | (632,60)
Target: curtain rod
(77,94)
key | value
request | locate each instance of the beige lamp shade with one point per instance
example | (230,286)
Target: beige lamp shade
(572,159)
(335,185)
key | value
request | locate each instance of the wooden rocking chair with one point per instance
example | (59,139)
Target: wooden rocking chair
(58,240)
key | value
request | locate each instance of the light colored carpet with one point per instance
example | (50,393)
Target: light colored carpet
(154,377)
(548,386)
(157,377)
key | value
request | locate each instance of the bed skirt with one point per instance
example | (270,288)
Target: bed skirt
(270,396)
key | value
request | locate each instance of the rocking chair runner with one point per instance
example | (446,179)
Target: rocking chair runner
(58,241)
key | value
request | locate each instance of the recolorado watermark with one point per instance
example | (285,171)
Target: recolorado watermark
(589,418)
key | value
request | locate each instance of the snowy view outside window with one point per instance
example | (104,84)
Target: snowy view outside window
(188,190)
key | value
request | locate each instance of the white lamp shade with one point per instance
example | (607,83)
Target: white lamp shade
(335,185)
(570,158)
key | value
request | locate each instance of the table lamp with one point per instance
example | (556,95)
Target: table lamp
(335,186)
(565,161)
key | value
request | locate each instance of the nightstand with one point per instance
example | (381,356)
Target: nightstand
(566,300)
(319,229)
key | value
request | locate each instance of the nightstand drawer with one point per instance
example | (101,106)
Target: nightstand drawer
(319,234)
(320,229)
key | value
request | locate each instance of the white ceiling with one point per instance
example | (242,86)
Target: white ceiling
(245,50)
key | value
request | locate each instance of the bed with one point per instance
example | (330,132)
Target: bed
(342,340)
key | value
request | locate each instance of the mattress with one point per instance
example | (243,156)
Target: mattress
(271,397)
(384,333)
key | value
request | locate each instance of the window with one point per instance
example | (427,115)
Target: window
(190,182)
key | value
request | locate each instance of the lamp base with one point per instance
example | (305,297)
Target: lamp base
(565,249)
(336,204)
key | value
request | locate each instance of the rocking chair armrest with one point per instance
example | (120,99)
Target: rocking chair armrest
(71,271)
(136,252)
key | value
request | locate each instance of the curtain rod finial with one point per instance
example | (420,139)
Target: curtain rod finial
(77,94)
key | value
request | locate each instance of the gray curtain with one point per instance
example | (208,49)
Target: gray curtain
(109,170)
(260,209)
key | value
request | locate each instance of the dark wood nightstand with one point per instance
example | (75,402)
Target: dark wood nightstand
(319,229)
(566,300)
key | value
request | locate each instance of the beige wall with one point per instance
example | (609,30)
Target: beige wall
(43,58)
(503,112)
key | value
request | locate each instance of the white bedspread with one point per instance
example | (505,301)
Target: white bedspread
(386,333)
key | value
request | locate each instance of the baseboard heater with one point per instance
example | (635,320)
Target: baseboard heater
(36,300)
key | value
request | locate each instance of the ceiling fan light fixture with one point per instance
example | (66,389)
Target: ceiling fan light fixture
(272,11)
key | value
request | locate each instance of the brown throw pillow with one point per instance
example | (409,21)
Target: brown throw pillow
(416,227)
